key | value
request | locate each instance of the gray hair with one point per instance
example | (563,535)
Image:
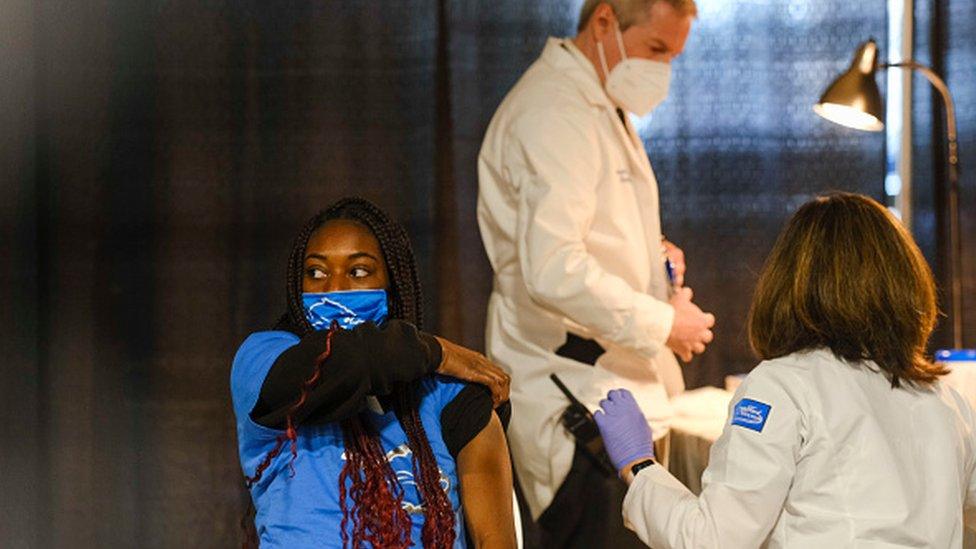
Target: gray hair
(630,12)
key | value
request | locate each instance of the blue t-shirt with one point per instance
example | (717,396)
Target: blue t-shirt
(302,510)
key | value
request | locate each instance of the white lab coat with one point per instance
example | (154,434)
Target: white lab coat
(568,211)
(843,460)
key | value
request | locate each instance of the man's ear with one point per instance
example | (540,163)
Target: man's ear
(601,22)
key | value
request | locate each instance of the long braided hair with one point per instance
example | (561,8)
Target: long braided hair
(376,516)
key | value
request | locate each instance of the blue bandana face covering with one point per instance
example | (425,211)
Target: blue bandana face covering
(349,309)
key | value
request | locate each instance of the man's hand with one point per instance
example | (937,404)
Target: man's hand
(677,257)
(467,365)
(691,330)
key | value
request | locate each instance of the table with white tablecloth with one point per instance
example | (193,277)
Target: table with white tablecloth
(699,418)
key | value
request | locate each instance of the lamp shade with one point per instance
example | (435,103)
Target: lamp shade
(853,99)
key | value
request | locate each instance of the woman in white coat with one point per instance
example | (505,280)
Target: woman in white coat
(843,436)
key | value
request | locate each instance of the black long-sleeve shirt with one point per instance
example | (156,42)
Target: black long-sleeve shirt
(367,360)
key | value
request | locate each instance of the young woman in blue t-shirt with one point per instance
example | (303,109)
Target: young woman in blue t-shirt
(347,435)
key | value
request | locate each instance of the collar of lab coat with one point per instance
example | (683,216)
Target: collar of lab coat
(563,55)
(566,58)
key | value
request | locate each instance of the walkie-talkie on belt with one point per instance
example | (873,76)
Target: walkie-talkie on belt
(579,422)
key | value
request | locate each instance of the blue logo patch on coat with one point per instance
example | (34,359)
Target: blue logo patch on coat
(751,414)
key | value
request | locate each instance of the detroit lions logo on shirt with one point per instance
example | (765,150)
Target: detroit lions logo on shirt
(751,414)
(401,461)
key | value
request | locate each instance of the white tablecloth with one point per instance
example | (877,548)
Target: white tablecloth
(700,416)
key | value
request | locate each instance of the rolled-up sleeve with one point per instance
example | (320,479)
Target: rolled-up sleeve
(368,359)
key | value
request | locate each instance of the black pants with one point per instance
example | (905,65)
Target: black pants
(585,513)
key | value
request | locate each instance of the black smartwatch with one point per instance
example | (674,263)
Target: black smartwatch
(641,465)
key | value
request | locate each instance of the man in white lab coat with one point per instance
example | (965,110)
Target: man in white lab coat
(568,211)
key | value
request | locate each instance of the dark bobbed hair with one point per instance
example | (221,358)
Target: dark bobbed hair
(846,275)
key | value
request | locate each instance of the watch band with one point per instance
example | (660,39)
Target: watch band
(641,465)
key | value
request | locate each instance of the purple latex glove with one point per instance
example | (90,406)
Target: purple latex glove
(626,434)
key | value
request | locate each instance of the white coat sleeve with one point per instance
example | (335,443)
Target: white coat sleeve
(969,505)
(748,477)
(558,178)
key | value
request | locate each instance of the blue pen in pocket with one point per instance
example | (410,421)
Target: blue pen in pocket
(669,269)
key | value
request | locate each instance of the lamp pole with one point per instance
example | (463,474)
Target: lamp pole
(955,240)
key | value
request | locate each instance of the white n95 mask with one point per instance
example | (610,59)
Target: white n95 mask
(635,85)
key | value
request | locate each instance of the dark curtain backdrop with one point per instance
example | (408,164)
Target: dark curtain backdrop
(960,70)
(738,148)
(159,156)
(944,31)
